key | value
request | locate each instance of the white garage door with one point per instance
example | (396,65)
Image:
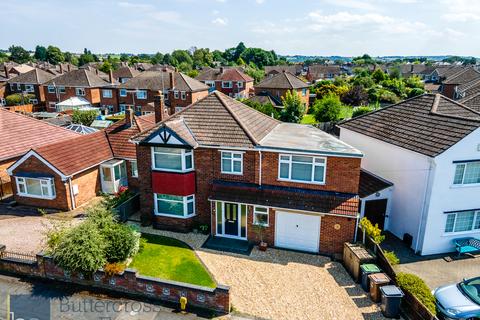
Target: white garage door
(297,231)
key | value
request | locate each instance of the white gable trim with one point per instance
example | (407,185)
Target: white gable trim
(165,135)
(36,155)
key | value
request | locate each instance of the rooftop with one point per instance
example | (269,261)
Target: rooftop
(282,80)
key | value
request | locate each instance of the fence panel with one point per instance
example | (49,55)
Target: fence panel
(20,256)
(129,207)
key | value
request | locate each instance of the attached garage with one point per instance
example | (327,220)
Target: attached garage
(297,231)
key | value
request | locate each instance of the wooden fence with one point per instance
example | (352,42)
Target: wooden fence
(129,207)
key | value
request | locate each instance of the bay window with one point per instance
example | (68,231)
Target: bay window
(467,173)
(463,221)
(175,206)
(35,187)
(302,168)
(232,162)
(172,159)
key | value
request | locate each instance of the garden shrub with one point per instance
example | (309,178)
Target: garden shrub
(122,242)
(113,201)
(114,268)
(373,231)
(361,111)
(327,109)
(16,99)
(418,288)
(85,117)
(391,257)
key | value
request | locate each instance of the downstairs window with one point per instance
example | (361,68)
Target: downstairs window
(462,221)
(174,206)
(35,187)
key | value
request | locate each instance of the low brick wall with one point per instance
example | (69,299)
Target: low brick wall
(130,282)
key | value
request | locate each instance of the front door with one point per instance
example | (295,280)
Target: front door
(375,211)
(231,219)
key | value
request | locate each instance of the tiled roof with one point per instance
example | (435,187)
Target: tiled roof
(160,80)
(318,69)
(79,78)
(286,197)
(370,184)
(21,133)
(35,76)
(465,76)
(283,80)
(266,97)
(125,72)
(77,154)
(228,74)
(295,69)
(428,124)
(469,88)
(472,101)
(218,120)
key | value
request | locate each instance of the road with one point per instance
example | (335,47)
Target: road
(31,299)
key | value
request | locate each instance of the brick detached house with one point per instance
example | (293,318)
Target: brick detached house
(323,72)
(230,81)
(178,90)
(221,163)
(66,174)
(278,85)
(30,83)
(77,83)
(296,69)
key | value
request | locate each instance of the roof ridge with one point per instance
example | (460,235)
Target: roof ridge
(462,101)
(456,103)
(290,82)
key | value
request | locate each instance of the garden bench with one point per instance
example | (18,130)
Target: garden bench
(467,245)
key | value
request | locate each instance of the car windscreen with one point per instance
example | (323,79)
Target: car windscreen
(471,288)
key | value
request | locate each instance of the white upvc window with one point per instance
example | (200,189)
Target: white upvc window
(304,92)
(12,86)
(175,94)
(165,94)
(61,89)
(210,83)
(183,95)
(142,94)
(80,91)
(33,101)
(122,107)
(226,84)
(174,206)
(134,168)
(29,88)
(462,221)
(123,92)
(51,89)
(172,159)
(35,187)
(107,93)
(19,86)
(232,162)
(467,173)
(260,216)
(297,168)
(239,84)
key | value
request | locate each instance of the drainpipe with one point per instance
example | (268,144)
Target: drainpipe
(420,225)
(260,173)
(72,197)
(356,229)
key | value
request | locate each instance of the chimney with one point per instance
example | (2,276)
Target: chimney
(172,79)
(68,67)
(61,68)
(221,70)
(159,108)
(96,71)
(129,117)
(6,71)
(110,76)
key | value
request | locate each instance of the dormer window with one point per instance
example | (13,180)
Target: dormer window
(172,159)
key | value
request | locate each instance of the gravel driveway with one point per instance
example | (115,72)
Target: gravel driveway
(279,284)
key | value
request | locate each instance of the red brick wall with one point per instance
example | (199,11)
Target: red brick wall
(449,90)
(113,101)
(91,94)
(88,185)
(332,238)
(235,89)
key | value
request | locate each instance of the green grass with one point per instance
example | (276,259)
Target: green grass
(171,259)
(345,113)
(308,119)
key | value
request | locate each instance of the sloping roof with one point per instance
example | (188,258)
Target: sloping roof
(125,72)
(473,101)
(22,68)
(160,80)
(80,128)
(428,124)
(218,120)
(325,69)
(79,78)
(35,76)
(283,80)
(370,184)
(223,74)
(293,69)
(465,76)
(21,133)
(75,155)
(265,97)
(469,88)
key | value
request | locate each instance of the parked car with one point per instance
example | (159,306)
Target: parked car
(459,301)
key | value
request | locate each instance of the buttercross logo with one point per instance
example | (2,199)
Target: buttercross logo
(26,307)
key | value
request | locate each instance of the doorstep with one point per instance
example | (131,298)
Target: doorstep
(228,245)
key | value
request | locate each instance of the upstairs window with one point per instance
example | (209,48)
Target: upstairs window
(80,91)
(107,93)
(239,84)
(172,159)
(51,89)
(183,95)
(35,188)
(302,169)
(29,88)
(123,92)
(304,92)
(467,173)
(463,221)
(175,94)
(232,162)
(141,94)
(134,169)
(61,89)
(226,84)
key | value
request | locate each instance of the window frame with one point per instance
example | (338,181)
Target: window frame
(123,92)
(183,95)
(255,212)
(476,219)
(230,85)
(48,182)
(290,162)
(33,101)
(232,161)
(183,155)
(61,89)
(143,95)
(81,92)
(109,96)
(239,84)
(134,168)
(175,94)
(51,89)
(465,164)
(185,201)
(29,88)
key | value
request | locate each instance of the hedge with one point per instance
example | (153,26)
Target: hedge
(418,288)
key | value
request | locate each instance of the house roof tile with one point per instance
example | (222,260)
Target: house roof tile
(35,76)
(228,74)
(160,80)
(283,80)
(78,78)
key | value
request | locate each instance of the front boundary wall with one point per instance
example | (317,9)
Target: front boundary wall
(129,282)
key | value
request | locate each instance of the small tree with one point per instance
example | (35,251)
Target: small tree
(294,108)
(356,96)
(17,99)
(361,111)
(327,109)
(84,117)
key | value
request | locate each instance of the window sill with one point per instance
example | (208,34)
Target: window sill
(232,173)
(462,233)
(173,216)
(300,181)
(261,225)
(459,186)
(35,197)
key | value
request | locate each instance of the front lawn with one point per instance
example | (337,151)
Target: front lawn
(170,259)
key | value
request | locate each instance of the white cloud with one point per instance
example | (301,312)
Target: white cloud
(220,21)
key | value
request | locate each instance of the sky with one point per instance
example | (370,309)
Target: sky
(303,27)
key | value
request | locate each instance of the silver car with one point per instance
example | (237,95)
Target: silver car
(459,301)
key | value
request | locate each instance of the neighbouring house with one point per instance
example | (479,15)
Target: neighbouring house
(296,69)
(67,174)
(223,164)
(30,82)
(125,73)
(109,95)
(266,98)
(323,72)
(76,83)
(443,72)
(278,85)
(472,101)
(19,134)
(450,86)
(178,89)
(468,89)
(230,81)
(429,148)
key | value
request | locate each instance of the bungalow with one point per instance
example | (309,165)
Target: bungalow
(230,81)
(428,147)
(223,164)
(30,83)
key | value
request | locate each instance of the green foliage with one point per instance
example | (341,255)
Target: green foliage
(415,92)
(378,75)
(267,108)
(112,201)
(19,54)
(256,74)
(293,109)
(361,111)
(54,55)
(391,257)
(18,99)
(84,117)
(355,96)
(193,73)
(327,109)
(418,288)
(202,57)
(122,242)
(86,57)
(258,57)
(326,87)
(40,53)
(181,56)
(373,231)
